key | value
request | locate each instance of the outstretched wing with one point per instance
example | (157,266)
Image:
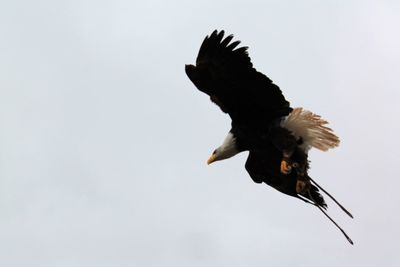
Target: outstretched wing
(226,74)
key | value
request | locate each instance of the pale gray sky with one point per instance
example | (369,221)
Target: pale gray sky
(103,138)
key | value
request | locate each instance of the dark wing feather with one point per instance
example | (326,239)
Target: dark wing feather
(227,75)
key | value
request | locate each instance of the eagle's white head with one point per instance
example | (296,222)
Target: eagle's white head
(226,150)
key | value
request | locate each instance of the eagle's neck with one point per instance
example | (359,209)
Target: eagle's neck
(228,148)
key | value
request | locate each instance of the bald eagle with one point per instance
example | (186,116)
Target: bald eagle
(276,135)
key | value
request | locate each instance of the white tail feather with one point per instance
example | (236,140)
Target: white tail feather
(311,129)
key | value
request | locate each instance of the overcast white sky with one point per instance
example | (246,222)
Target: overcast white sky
(103,138)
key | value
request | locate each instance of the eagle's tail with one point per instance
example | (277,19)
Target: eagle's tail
(316,197)
(329,195)
(311,129)
(318,201)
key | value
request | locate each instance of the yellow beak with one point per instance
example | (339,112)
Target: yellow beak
(211,159)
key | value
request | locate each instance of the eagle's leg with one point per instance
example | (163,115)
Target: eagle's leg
(286,163)
(284,140)
(302,186)
(303,182)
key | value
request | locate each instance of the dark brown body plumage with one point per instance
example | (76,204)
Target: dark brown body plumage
(263,167)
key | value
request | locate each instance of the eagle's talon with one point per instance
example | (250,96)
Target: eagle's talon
(286,168)
(302,186)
